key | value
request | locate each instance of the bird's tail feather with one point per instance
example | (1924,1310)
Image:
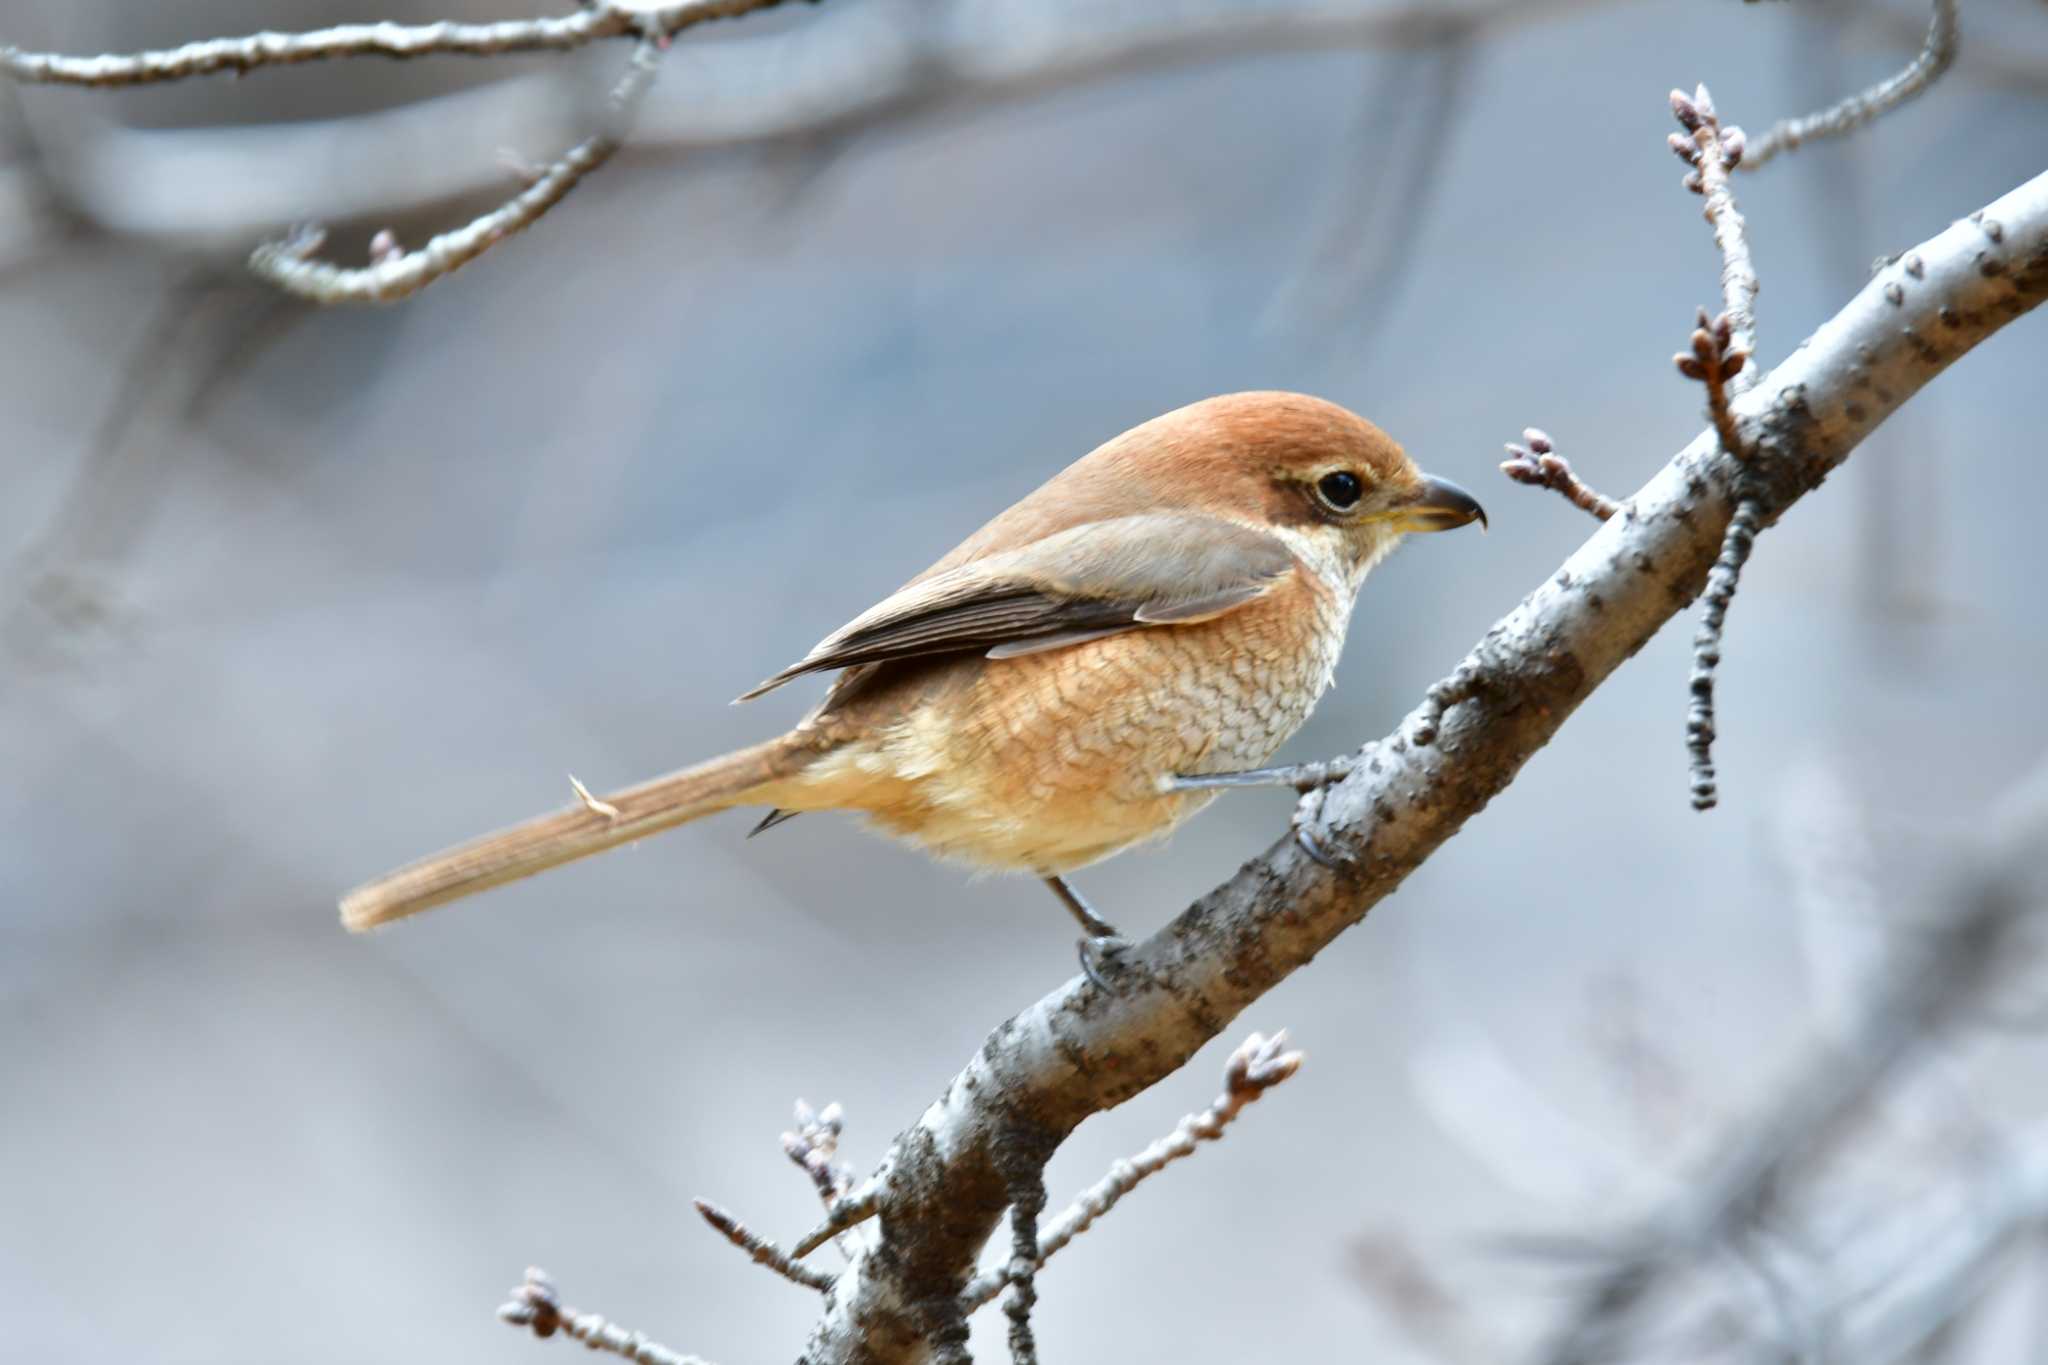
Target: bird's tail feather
(577,832)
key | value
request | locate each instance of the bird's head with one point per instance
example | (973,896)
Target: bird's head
(1307,468)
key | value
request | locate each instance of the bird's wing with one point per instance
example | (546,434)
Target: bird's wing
(1092,580)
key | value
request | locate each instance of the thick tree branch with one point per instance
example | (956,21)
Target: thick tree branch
(941,1192)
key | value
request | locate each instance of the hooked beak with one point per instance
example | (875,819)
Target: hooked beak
(1439,505)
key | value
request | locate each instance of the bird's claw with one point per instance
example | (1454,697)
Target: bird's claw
(1308,815)
(1099,954)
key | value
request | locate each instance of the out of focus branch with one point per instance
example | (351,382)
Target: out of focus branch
(291,264)
(1935,57)
(850,70)
(591,23)
(1936,978)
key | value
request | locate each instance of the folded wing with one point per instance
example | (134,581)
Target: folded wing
(1102,578)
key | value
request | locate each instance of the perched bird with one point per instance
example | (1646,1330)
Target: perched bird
(1171,604)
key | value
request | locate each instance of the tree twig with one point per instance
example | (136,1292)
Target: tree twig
(762,1251)
(1721,350)
(590,23)
(1259,1064)
(536,1306)
(1538,465)
(1937,53)
(292,265)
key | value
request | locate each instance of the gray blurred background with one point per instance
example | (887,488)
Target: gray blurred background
(294,595)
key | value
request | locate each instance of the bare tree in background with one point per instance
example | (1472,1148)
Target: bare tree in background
(912,1232)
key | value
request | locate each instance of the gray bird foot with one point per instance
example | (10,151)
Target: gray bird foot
(1101,956)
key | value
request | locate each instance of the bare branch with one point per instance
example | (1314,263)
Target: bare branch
(535,1305)
(840,1216)
(761,1250)
(1080,1051)
(1538,466)
(814,1147)
(606,19)
(1721,350)
(292,266)
(1714,154)
(1259,1064)
(821,83)
(1937,53)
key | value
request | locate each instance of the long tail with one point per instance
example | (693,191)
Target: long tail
(566,835)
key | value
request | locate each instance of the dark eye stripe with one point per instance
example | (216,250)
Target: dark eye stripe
(1340,490)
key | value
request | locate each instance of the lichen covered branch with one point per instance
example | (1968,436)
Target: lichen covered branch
(293,263)
(1937,53)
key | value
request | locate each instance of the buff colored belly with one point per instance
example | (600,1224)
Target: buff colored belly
(1049,762)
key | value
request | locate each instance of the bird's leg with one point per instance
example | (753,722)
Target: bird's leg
(1101,944)
(1303,777)
(1309,779)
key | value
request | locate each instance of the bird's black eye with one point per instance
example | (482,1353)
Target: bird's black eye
(1340,491)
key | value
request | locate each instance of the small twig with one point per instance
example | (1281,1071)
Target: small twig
(814,1145)
(1713,153)
(1259,1064)
(1539,467)
(1706,646)
(563,33)
(850,1212)
(1718,363)
(535,1305)
(592,803)
(292,265)
(1721,350)
(1027,1202)
(763,1251)
(1935,57)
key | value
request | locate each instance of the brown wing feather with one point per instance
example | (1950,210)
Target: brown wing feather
(1078,584)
